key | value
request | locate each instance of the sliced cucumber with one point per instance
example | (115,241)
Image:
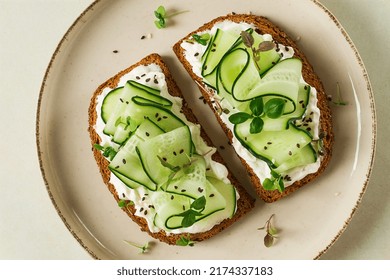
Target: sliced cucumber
(281,80)
(125,107)
(110,103)
(221,42)
(161,116)
(173,147)
(215,202)
(238,73)
(190,180)
(304,156)
(274,147)
(228,192)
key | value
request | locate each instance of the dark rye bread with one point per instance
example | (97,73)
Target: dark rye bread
(245,202)
(264,26)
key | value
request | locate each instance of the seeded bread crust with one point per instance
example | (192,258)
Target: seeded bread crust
(245,202)
(264,26)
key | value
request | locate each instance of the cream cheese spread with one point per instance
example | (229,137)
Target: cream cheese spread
(193,54)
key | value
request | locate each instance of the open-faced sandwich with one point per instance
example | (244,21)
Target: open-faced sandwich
(267,98)
(157,161)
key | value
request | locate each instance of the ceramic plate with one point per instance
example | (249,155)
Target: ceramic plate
(106,38)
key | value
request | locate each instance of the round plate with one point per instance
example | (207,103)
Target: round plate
(106,38)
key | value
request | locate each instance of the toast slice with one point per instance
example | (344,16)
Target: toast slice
(259,25)
(136,210)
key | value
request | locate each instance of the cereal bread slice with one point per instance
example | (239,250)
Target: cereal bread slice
(262,25)
(245,202)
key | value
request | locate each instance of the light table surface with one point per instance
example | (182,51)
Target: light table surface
(30,228)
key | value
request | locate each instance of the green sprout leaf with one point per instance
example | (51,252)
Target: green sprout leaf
(271,232)
(247,39)
(144,248)
(256,105)
(274,107)
(239,117)
(199,203)
(185,241)
(108,152)
(339,101)
(189,216)
(201,39)
(161,15)
(256,125)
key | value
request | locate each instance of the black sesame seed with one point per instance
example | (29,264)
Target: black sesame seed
(147,134)
(308,129)
(164,159)
(174,153)
(143,198)
(289,153)
(124,161)
(142,209)
(212,195)
(298,145)
(181,151)
(143,75)
(200,189)
(265,147)
(137,77)
(115,51)
(147,80)
(196,54)
(116,167)
(183,190)
(172,197)
(143,37)
(145,212)
(121,100)
(269,143)
(176,187)
(184,208)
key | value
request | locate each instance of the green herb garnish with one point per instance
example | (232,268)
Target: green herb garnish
(185,241)
(201,39)
(274,183)
(122,203)
(161,14)
(249,41)
(196,208)
(273,109)
(271,232)
(108,152)
(144,248)
(340,101)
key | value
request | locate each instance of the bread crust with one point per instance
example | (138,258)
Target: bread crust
(265,26)
(245,202)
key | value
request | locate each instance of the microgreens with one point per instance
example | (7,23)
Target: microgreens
(175,169)
(144,248)
(201,39)
(273,108)
(249,41)
(271,232)
(196,208)
(274,183)
(185,241)
(340,101)
(122,203)
(161,14)
(108,152)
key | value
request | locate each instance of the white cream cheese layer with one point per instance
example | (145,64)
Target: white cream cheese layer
(193,54)
(141,197)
